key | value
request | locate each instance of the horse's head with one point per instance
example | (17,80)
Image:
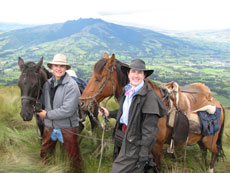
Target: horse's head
(107,80)
(30,85)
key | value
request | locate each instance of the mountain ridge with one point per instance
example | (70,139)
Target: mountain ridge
(126,40)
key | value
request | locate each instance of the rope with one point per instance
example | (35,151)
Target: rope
(185,153)
(102,148)
(102,140)
(87,137)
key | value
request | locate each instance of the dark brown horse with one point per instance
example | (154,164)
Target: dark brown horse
(32,78)
(108,80)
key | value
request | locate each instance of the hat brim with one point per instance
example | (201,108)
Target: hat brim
(126,69)
(51,63)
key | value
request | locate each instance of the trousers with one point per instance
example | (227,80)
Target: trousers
(70,144)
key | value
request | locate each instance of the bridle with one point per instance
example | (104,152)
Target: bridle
(35,99)
(93,98)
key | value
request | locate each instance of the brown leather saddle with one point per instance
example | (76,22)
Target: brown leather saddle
(181,127)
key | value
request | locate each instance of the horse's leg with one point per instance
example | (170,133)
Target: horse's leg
(157,152)
(204,153)
(40,124)
(211,165)
(210,144)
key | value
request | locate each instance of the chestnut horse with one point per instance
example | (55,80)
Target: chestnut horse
(108,80)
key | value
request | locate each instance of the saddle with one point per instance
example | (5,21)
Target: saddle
(197,95)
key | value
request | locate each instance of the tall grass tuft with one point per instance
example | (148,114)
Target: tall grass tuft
(20,145)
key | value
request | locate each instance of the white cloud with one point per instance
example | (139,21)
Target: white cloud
(166,14)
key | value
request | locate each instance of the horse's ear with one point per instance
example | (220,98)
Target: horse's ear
(20,63)
(111,61)
(106,55)
(39,64)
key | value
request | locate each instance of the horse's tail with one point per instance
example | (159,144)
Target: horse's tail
(221,154)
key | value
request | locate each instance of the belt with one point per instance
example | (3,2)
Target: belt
(124,127)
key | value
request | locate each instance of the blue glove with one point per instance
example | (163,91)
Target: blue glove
(56,135)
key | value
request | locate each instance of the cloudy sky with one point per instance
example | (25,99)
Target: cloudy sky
(181,15)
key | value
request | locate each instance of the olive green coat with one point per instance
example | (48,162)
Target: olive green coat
(140,136)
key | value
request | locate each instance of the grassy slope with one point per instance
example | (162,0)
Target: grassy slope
(20,145)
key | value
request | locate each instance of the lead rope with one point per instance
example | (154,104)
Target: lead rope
(102,139)
(185,153)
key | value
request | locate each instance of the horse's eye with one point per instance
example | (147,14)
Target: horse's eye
(97,79)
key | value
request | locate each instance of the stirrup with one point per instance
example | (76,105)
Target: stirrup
(171,147)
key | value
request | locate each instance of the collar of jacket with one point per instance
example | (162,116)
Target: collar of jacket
(142,92)
(64,79)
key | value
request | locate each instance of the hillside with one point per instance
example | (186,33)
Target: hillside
(209,35)
(217,39)
(183,58)
(91,36)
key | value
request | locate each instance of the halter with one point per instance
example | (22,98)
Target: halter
(35,100)
(93,98)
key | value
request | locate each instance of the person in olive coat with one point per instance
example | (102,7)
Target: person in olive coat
(136,128)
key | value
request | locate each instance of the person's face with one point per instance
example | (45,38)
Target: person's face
(136,77)
(58,71)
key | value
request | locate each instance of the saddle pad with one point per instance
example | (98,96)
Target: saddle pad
(194,123)
(210,123)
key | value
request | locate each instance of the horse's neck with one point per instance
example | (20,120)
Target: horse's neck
(154,87)
(47,73)
(119,90)
(44,75)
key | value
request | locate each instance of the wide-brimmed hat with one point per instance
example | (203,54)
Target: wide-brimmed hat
(59,59)
(137,64)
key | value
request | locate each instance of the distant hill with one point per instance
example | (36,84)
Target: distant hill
(92,37)
(209,35)
(218,40)
(12,26)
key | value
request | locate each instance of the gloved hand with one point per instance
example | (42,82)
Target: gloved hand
(142,161)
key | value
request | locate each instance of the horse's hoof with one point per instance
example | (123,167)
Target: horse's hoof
(211,170)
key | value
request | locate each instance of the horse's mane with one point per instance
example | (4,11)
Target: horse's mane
(29,69)
(47,72)
(121,77)
(152,84)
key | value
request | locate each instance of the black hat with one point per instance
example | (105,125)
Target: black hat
(137,64)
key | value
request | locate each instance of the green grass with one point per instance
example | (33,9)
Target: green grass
(20,145)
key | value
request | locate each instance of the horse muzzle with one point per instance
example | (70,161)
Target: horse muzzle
(26,116)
